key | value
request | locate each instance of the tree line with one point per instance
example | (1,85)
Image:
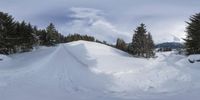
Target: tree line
(18,36)
(15,36)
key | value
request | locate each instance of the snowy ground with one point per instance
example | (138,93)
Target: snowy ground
(91,71)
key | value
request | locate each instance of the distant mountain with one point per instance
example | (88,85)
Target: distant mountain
(171,45)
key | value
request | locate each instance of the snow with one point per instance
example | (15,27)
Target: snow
(4,58)
(90,71)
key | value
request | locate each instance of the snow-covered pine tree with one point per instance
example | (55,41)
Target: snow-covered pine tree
(192,40)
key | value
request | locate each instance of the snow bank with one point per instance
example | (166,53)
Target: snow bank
(192,61)
(4,58)
(131,74)
(194,57)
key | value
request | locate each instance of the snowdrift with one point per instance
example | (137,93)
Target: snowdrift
(91,71)
(4,58)
(133,75)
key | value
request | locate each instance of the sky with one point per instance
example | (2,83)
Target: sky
(107,19)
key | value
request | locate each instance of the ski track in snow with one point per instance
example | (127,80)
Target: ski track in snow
(90,71)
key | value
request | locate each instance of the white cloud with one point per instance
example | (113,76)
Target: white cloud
(91,21)
(167,30)
(163,19)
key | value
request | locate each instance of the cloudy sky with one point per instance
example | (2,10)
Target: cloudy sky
(107,19)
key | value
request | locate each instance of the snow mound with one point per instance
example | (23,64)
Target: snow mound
(192,61)
(131,74)
(4,58)
(96,49)
(194,57)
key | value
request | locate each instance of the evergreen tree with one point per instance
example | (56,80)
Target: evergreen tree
(8,33)
(193,35)
(150,46)
(2,41)
(142,43)
(52,34)
(138,41)
(120,44)
(43,37)
(130,48)
(26,37)
(76,37)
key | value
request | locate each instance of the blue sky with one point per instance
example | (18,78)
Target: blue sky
(107,19)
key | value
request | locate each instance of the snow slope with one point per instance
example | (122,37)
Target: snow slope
(90,71)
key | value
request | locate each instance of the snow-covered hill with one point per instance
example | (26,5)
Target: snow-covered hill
(91,71)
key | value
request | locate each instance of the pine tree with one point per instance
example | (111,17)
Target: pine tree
(52,34)
(2,41)
(26,39)
(138,41)
(42,34)
(193,35)
(76,37)
(150,46)
(120,44)
(8,33)
(142,43)
(130,48)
